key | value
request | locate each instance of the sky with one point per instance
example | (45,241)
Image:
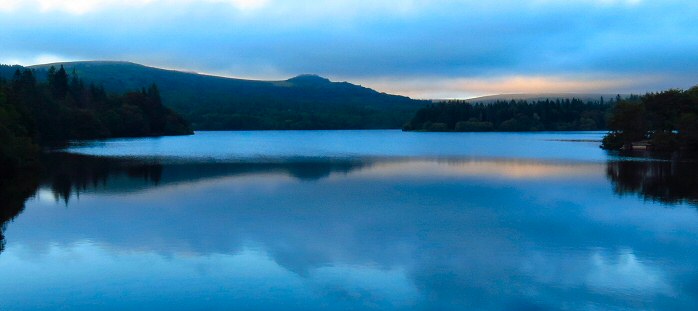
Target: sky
(422,49)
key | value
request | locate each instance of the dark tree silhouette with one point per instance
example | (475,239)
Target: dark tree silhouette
(510,116)
(34,114)
(662,121)
(58,82)
(668,182)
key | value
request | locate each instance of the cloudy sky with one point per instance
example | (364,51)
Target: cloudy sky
(420,48)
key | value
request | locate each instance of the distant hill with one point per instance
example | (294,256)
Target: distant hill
(586,97)
(218,103)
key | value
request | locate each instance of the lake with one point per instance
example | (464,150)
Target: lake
(352,220)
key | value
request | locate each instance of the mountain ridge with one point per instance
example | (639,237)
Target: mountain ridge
(304,77)
(212,102)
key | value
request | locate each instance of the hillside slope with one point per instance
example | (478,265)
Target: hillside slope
(218,103)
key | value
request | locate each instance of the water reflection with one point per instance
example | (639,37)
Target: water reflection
(67,174)
(13,193)
(486,234)
(672,181)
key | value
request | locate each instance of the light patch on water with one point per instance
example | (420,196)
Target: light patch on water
(625,273)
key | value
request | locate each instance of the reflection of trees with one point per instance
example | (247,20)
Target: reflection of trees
(68,173)
(13,193)
(672,181)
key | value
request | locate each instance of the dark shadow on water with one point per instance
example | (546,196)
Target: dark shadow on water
(668,179)
(68,175)
(13,193)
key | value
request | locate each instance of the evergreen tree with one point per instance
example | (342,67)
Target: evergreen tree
(59,83)
(667,120)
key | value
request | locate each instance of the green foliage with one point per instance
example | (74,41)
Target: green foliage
(436,127)
(63,109)
(666,120)
(612,141)
(664,140)
(688,129)
(58,82)
(34,114)
(17,150)
(628,122)
(510,116)
(473,125)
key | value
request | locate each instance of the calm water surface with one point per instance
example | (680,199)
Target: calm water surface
(353,220)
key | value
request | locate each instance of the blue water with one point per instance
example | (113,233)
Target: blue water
(354,220)
(351,144)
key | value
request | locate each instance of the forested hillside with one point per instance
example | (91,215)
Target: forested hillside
(63,108)
(217,103)
(511,116)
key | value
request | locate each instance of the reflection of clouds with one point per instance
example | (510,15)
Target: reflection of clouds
(247,279)
(366,285)
(258,182)
(605,272)
(508,169)
(188,177)
(422,233)
(45,195)
(625,273)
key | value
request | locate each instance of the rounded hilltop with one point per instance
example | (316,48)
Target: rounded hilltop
(309,79)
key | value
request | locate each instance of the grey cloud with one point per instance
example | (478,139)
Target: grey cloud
(454,39)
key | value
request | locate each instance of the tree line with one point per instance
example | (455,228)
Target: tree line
(63,108)
(664,121)
(512,116)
